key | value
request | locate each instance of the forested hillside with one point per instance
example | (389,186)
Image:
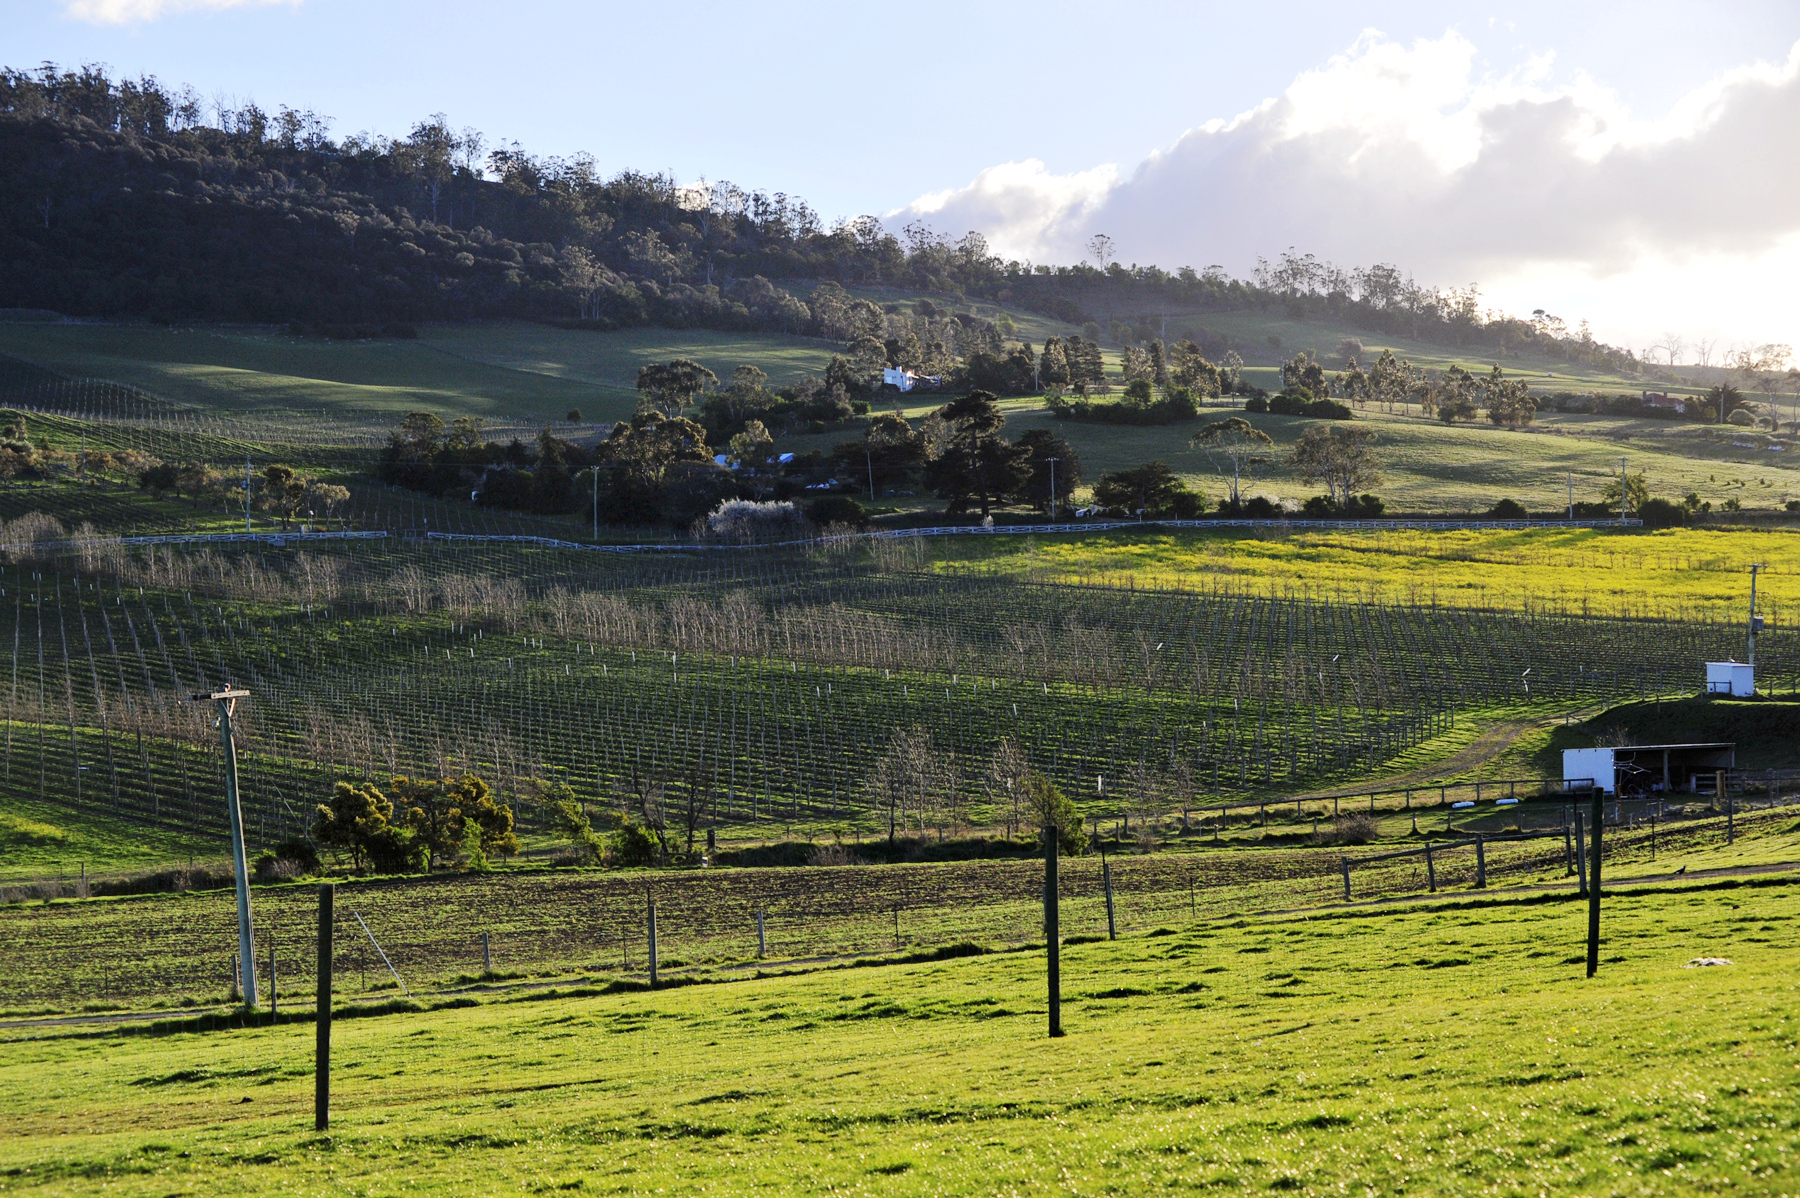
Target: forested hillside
(129,198)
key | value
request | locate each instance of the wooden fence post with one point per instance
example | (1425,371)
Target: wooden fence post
(322,1017)
(1593,945)
(1112,931)
(272,1008)
(1480,864)
(1568,849)
(762,942)
(651,920)
(1430,870)
(1580,856)
(1052,933)
(1730,821)
(487,955)
(1345,864)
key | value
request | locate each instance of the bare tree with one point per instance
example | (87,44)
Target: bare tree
(1100,248)
(909,776)
(1005,779)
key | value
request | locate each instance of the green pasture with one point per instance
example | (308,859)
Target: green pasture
(1443,1049)
(237,369)
(1431,467)
(519,371)
(47,840)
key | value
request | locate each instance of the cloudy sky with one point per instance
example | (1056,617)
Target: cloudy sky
(1630,163)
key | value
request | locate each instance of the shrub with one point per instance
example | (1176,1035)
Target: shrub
(1356,828)
(1365,507)
(632,844)
(1792,505)
(1256,403)
(1300,402)
(746,521)
(1508,509)
(836,853)
(1137,408)
(1742,418)
(827,510)
(1260,507)
(1662,513)
(300,852)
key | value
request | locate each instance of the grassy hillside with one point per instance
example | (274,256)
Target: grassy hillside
(49,840)
(528,374)
(1438,1050)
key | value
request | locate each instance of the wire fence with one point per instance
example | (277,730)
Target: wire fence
(557,925)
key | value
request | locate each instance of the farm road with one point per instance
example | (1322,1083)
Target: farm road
(1478,752)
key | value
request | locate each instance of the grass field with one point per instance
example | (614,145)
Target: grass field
(1451,1049)
(40,840)
(1677,572)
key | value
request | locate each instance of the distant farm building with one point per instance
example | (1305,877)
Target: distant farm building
(1661,399)
(1734,678)
(1649,769)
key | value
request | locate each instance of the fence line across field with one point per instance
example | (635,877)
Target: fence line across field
(576,926)
(958,530)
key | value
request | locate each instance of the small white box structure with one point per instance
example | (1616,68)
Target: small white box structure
(1596,765)
(1733,678)
(902,379)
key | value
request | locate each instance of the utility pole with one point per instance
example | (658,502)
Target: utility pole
(227,701)
(869,461)
(1755,623)
(1624,499)
(596,502)
(246,493)
(1053,462)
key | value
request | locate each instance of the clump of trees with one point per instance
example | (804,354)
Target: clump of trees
(1152,490)
(416,824)
(959,453)
(279,490)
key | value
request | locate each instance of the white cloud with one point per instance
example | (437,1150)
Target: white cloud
(131,12)
(1551,194)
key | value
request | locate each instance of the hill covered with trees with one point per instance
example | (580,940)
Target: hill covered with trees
(128,198)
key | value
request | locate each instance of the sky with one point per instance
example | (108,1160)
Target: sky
(1629,164)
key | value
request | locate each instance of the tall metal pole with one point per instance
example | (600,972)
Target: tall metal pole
(246,494)
(1753,626)
(596,503)
(1624,500)
(227,702)
(1053,462)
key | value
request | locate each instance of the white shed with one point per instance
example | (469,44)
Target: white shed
(900,378)
(1730,678)
(1590,765)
